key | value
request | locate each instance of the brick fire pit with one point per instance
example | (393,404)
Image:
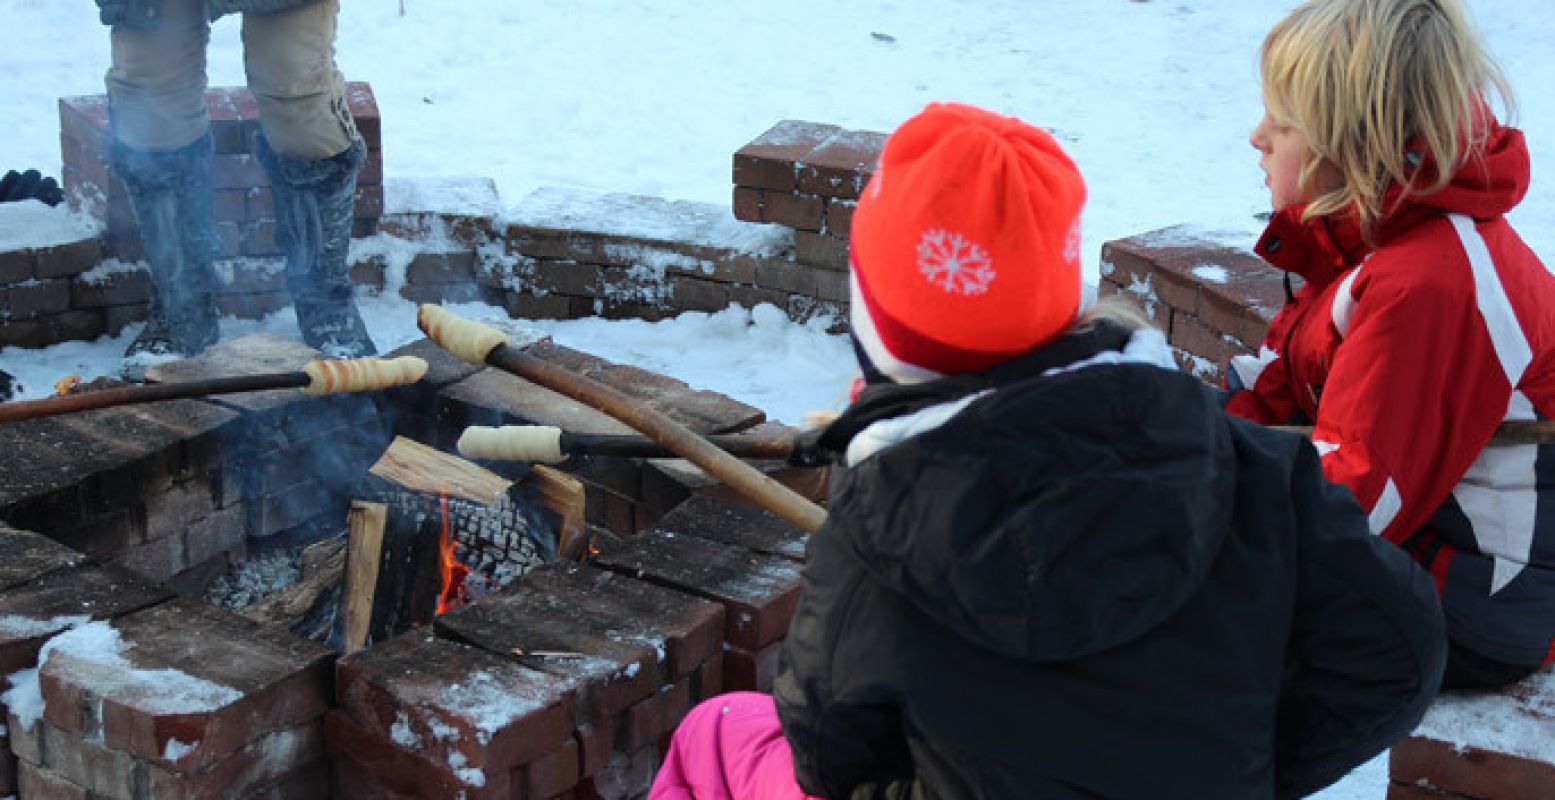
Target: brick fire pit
(566,683)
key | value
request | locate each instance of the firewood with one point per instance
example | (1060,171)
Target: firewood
(365,550)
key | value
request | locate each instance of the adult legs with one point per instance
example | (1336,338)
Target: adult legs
(161,150)
(310,148)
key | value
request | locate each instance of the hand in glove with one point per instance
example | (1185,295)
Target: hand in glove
(129,13)
(30,185)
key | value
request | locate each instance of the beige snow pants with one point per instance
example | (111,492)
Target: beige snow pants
(156,86)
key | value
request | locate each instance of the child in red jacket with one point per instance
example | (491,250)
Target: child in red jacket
(1423,321)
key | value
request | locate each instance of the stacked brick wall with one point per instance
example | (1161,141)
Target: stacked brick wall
(808,177)
(244,208)
(46,298)
(174,491)
(1212,298)
(197,703)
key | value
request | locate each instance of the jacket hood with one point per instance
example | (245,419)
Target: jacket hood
(1055,516)
(1486,187)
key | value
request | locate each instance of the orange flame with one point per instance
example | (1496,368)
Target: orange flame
(66,385)
(453,593)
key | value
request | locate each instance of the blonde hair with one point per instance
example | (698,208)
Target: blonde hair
(1113,308)
(1362,78)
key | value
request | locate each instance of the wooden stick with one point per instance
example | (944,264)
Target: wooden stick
(148,393)
(1507,434)
(365,542)
(545,444)
(315,378)
(482,344)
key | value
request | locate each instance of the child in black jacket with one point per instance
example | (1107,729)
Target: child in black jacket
(1052,566)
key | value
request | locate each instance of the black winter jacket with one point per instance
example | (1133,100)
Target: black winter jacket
(1094,583)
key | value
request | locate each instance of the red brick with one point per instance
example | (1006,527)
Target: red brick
(459,704)
(371,176)
(759,592)
(1470,771)
(1193,336)
(89,165)
(364,109)
(260,203)
(112,773)
(624,776)
(368,765)
(651,720)
(228,204)
(38,298)
(369,201)
(551,774)
(259,239)
(693,294)
(745,671)
(15,265)
(708,680)
(684,630)
(278,681)
(839,217)
(841,166)
(85,119)
(42,607)
(821,250)
(117,288)
(787,276)
(38,783)
(607,674)
(237,171)
(68,259)
(769,161)
(800,211)
(596,744)
(226,122)
(1405,791)
(747,204)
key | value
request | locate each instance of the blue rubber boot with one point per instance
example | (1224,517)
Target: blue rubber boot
(170,195)
(314,208)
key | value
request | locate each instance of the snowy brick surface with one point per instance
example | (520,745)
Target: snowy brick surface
(30,224)
(652,218)
(1519,721)
(473,196)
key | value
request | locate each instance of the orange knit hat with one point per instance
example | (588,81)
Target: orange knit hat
(965,244)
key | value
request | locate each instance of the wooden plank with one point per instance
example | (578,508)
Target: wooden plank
(364,551)
(424,469)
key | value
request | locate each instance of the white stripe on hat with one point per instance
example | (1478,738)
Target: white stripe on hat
(864,330)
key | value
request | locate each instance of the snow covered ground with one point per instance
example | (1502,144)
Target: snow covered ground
(1154,99)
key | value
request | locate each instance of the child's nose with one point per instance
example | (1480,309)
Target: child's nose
(1258,137)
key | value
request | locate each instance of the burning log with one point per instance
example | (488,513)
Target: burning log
(315,378)
(306,603)
(436,531)
(481,344)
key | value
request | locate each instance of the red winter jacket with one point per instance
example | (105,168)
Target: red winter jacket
(1406,357)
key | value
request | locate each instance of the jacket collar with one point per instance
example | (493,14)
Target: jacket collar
(1321,249)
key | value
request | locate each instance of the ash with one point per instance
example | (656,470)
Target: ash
(255,579)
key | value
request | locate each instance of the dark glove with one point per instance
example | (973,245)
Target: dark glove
(130,13)
(29,185)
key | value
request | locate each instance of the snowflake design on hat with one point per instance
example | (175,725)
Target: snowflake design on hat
(954,263)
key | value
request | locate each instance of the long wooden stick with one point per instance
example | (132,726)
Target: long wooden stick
(148,393)
(547,444)
(323,376)
(1508,434)
(481,344)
